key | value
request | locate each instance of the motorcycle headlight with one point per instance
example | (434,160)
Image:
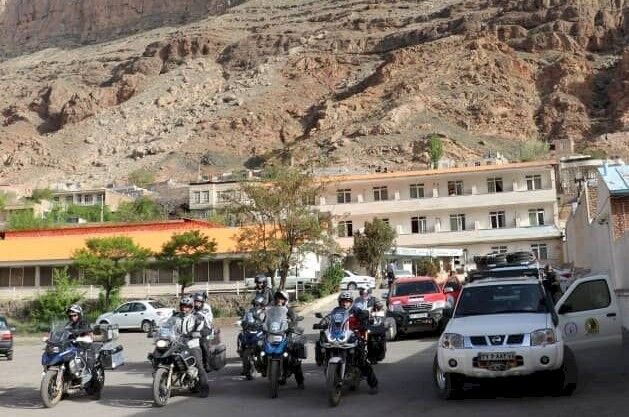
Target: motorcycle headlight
(161,344)
(439,304)
(275,338)
(451,341)
(543,337)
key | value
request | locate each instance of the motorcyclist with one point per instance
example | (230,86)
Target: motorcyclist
(257,310)
(346,301)
(365,300)
(202,308)
(280,298)
(192,325)
(80,328)
(262,290)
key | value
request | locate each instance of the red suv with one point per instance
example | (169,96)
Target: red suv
(6,339)
(417,305)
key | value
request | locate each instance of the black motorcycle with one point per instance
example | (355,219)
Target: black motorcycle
(65,362)
(251,341)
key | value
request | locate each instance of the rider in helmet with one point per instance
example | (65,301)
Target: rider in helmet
(262,290)
(192,325)
(365,300)
(280,298)
(202,308)
(80,328)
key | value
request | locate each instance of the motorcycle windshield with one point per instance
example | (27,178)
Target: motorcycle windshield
(339,318)
(170,329)
(276,321)
(59,333)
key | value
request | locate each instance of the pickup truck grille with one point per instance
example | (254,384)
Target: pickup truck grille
(417,307)
(497,340)
(478,340)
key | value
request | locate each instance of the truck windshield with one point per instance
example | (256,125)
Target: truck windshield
(418,287)
(501,299)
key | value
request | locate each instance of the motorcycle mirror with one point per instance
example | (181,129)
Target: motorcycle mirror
(319,315)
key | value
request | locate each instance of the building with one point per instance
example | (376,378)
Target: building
(35,209)
(573,171)
(90,197)
(28,258)
(596,232)
(475,210)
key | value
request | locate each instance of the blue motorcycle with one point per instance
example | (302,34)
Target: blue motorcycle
(250,342)
(65,363)
(279,359)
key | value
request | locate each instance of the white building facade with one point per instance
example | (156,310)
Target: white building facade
(481,209)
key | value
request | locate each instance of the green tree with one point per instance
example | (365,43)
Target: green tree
(428,267)
(183,251)
(532,150)
(40,194)
(141,178)
(331,279)
(51,305)
(435,149)
(371,246)
(139,210)
(107,261)
(26,220)
(283,224)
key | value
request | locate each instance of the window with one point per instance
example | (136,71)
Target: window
(197,197)
(138,307)
(157,304)
(499,299)
(494,185)
(499,249)
(205,196)
(380,193)
(99,198)
(345,229)
(590,295)
(88,199)
(69,199)
(417,190)
(344,196)
(457,222)
(227,196)
(540,250)
(536,217)
(455,187)
(497,219)
(416,288)
(418,225)
(125,308)
(533,182)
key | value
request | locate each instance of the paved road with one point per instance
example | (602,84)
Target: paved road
(405,389)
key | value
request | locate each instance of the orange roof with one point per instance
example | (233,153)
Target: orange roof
(60,244)
(435,172)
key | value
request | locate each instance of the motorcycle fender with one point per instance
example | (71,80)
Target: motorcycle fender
(60,377)
(49,368)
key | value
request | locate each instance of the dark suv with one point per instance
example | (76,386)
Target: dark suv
(6,338)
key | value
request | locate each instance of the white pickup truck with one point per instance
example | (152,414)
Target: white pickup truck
(504,327)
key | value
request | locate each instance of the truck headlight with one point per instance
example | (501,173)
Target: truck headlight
(452,341)
(543,337)
(439,304)
(396,307)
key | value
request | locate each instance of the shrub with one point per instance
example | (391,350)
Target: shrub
(428,268)
(306,297)
(331,280)
(532,150)
(51,305)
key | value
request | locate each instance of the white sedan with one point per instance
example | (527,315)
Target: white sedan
(352,281)
(141,314)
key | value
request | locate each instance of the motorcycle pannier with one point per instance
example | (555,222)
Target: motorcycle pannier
(218,354)
(112,357)
(105,332)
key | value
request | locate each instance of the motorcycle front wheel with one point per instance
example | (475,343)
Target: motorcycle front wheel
(274,378)
(161,387)
(247,363)
(333,383)
(50,394)
(95,386)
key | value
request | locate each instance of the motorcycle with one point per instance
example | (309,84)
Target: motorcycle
(342,352)
(174,365)
(280,358)
(66,368)
(251,341)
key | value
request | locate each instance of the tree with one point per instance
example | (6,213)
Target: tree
(142,209)
(40,194)
(428,267)
(52,305)
(26,220)
(107,261)
(435,149)
(283,224)
(371,245)
(183,251)
(141,178)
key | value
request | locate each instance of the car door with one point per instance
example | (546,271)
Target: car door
(120,316)
(589,316)
(133,318)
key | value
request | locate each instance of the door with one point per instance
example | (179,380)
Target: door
(589,316)
(135,315)
(121,315)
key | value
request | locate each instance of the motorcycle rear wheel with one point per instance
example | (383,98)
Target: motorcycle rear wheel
(274,378)
(50,395)
(333,384)
(161,391)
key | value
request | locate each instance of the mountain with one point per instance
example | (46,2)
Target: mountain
(93,89)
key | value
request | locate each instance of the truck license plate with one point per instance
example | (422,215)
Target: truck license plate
(496,356)
(418,316)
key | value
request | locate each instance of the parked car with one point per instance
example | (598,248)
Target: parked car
(291,281)
(417,305)
(140,314)
(6,338)
(504,327)
(352,281)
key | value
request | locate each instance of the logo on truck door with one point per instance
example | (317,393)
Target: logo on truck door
(592,326)
(570,329)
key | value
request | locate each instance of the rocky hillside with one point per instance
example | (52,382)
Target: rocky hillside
(337,82)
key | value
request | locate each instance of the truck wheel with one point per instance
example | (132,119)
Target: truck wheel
(449,386)
(564,379)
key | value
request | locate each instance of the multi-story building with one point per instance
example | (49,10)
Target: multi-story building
(90,197)
(479,209)
(206,197)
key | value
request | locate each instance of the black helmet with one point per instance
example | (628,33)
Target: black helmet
(362,291)
(260,279)
(345,295)
(75,308)
(199,297)
(186,301)
(281,294)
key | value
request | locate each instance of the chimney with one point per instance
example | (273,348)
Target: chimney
(605,167)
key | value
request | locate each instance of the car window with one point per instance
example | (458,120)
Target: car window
(418,287)
(590,295)
(501,299)
(125,308)
(139,307)
(3,324)
(346,274)
(157,304)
